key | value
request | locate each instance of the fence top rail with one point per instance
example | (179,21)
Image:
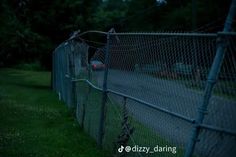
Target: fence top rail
(227,33)
(185,34)
(91,31)
(190,34)
(167,34)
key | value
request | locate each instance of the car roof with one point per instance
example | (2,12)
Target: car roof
(95,61)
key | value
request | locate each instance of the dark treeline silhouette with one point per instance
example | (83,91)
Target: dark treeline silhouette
(30,30)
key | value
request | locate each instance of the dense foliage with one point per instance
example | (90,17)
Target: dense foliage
(30,29)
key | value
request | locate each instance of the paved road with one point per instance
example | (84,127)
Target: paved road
(175,97)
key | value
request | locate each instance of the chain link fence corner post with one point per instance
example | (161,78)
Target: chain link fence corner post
(211,81)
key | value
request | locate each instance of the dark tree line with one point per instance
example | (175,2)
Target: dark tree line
(30,29)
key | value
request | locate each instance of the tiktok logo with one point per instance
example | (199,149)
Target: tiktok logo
(120,150)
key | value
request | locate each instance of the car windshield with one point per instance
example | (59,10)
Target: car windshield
(96,62)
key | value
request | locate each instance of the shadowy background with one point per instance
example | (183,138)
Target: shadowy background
(30,30)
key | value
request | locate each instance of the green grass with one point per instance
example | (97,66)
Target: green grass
(34,66)
(34,123)
(143,136)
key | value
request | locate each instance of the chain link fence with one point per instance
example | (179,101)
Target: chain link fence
(146,90)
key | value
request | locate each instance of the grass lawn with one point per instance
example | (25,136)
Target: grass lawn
(34,123)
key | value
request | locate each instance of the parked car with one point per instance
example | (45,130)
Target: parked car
(97,65)
(153,68)
(183,69)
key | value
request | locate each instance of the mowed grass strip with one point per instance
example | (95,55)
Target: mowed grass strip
(34,123)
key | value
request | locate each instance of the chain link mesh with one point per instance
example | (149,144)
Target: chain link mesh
(166,70)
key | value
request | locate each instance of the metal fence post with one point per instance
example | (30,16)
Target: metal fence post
(53,72)
(72,71)
(104,97)
(211,80)
(85,101)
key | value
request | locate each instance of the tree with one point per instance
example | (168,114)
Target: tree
(30,30)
